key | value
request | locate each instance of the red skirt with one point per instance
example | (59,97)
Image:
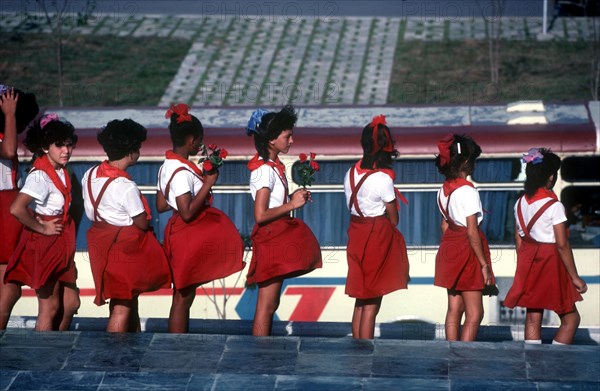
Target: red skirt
(10,227)
(283,248)
(39,258)
(456,266)
(377,258)
(541,280)
(125,262)
(206,249)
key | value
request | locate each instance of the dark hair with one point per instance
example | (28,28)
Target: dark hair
(181,131)
(463,161)
(381,159)
(54,132)
(27,110)
(121,137)
(270,127)
(538,174)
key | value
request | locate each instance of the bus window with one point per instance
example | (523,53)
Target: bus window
(582,205)
(497,170)
(581,169)
(234,173)
(499,219)
(327,216)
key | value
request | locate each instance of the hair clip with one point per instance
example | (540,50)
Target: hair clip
(46,119)
(458,148)
(533,156)
(181,109)
(254,121)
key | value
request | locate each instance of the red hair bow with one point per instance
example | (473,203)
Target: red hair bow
(389,146)
(444,147)
(181,110)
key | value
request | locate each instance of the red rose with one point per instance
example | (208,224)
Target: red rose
(314,165)
(223,153)
(212,146)
(313,156)
(302,157)
(207,165)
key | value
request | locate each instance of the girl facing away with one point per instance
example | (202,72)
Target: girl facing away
(376,252)
(282,246)
(17,110)
(202,244)
(44,256)
(546,275)
(125,257)
(463,262)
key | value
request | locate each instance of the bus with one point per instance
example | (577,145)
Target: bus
(505,133)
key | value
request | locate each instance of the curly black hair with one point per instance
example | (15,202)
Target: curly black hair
(539,174)
(27,110)
(381,159)
(119,138)
(463,161)
(56,132)
(270,127)
(181,131)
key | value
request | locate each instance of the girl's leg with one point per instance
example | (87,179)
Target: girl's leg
(456,308)
(370,309)
(48,305)
(569,323)
(120,315)
(356,316)
(266,305)
(179,316)
(533,325)
(473,315)
(70,305)
(9,295)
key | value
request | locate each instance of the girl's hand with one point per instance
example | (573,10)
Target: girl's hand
(580,285)
(211,178)
(299,198)
(51,227)
(8,102)
(487,274)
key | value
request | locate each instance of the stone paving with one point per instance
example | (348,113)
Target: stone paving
(258,60)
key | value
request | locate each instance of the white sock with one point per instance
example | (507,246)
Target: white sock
(555,342)
(533,341)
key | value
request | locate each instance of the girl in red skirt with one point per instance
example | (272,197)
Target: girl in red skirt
(125,257)
(44,257)
(202,244)
(377,258)
(282,246)
(17,110)
(463,262)
(546,276)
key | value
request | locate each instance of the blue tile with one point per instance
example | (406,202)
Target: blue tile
(249,343)
(498,351)
(103,340)
(28,338)
(201,383)
(188,342)
(318,383)
(339,346)
(109,358)
(6,378)
(571,386)
(57,380)
(491,385)
(338,365)
(125,381)
(257,362)
(405,384)
(230,381)
(407,366)
(202,361)
(33,358)
(488,368)
(421,349)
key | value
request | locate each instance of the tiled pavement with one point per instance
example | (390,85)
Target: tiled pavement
(320,60)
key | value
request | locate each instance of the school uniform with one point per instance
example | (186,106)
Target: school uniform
(10,227)
(541,279)
(206,249)
(39,258)
(376,251)
(456,265)
(125,260)
(285,247)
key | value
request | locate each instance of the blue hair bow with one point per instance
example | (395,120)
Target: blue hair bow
(254,121)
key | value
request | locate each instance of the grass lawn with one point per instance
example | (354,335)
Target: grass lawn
(458,72)
(99,70)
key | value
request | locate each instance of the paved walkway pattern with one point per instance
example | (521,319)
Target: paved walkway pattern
(254,60)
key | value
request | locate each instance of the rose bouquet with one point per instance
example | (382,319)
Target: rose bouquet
(307,168)
(212,157)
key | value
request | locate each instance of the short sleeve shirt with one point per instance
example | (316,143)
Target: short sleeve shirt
(266,176)
(375,192)
(543,230)
(47,199)
(185,181)
(464,202)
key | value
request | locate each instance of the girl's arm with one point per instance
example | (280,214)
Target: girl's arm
(189,207)
(391,211)
(566,254)
(444,226)
(161,202)
(518,239)
(141,221)
(263,214)
(475,241)
(8,104)
(20,211)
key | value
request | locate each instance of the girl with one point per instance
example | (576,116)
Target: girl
(462,263)
(282,246)
(17,110)
(546,276)
(44,257)
(125,257)
(377,258)
(201,242)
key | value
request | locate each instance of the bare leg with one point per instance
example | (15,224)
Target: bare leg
(456,308)
(569,323)
(473,315)
(70,305)
(266,305)
(179,316)
(356,316)
(48,305)
(120,316)
(367,320)
(9,295)
(533,324)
